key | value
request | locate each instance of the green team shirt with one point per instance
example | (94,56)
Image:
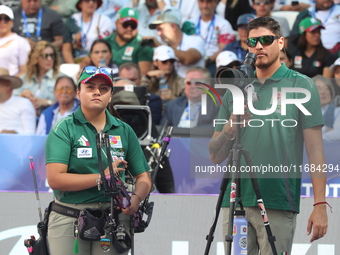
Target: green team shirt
(72,142)
(130,52)
(272,144)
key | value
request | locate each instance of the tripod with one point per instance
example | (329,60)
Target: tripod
(234,158)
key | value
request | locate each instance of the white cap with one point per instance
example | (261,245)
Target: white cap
(7,11)
(224,58)
(335,64)
(163,53)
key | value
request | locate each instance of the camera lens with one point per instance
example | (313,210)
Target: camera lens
(229,76)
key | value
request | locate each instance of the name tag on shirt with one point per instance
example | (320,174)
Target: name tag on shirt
(84,153)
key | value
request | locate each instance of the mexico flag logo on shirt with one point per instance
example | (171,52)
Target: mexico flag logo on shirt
(83,141)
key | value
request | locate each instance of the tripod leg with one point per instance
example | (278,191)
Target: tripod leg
(223,187)
(260,203)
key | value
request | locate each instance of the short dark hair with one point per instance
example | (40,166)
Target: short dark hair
(101,41)
(265,22)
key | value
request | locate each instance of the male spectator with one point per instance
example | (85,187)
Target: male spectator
(188,8)
(148,12)
(329,15)
(65,91)
(124,43)
(185,111)
(274,146)
(240,47)
(37,22)
(189,49)
(263,8)
(214,30)
(64,8)
(227,59)
(131,71)
(110,8)
(16,113)
(292,5)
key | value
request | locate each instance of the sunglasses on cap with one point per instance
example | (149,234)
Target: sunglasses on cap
(46,55)
(264,2)
(6,19)
(168,60)
(94,70)
(264,40)
(131,24)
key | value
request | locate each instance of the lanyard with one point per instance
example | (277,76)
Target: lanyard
(210,27)
(239,53)
(83,35)
(38,27)
(328,16)
(192,117)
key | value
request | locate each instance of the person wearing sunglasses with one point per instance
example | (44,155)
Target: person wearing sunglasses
(72,164)
(66,103)
(82,29)
(164,80)
(39,80)
(14,49)
(264,8)
(311,57)
(274,145)
(125,44)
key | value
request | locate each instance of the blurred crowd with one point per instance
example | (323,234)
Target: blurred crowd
(159,44)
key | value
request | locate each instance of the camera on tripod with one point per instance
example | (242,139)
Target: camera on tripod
(241,77)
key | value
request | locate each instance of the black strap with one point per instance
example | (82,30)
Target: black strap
(64,210)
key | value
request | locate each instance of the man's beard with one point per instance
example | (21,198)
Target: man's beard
(152,5)
(121,36)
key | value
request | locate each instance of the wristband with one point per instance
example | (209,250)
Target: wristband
(228,136)
(98,181)
(140,200)
(320,203)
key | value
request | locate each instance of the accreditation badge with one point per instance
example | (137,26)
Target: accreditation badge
(298,62)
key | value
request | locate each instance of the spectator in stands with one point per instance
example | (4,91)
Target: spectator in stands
(286,58)
(292,5)
(64,8)
(264,8)
(16,113)
(65,92)
(36,22)
(11,3)
(311,57)
(335,68)
(42,71)
(188,9)
(227,59)
(132,72)
(233,9)
(124,43)
(82,29)
(239,47)
(110,9)
(148,12)
(101,55)
(214,30)
(330,113)
(328,13)
(163,80)
(189,49)
(14,49)
(185,111)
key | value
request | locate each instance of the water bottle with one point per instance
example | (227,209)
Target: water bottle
(102,63)
(240,229)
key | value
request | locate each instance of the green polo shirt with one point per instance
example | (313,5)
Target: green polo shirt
(273,143)
(130,52)
(72,142)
